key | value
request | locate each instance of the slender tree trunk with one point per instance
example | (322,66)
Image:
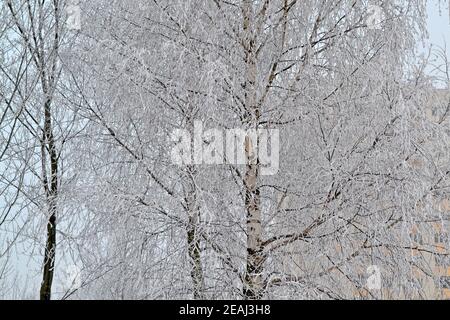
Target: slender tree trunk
(49,259)
(193,238)
(253,278)
(194,255)
(253,286)
(51,193)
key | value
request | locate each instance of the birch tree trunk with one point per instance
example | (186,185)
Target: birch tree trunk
(51,190)
(193,237)
(253,277)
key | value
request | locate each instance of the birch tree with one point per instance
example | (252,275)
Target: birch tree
(36,38)
(321,75)
(356,182)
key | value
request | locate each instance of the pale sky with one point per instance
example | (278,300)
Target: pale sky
(438,22)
